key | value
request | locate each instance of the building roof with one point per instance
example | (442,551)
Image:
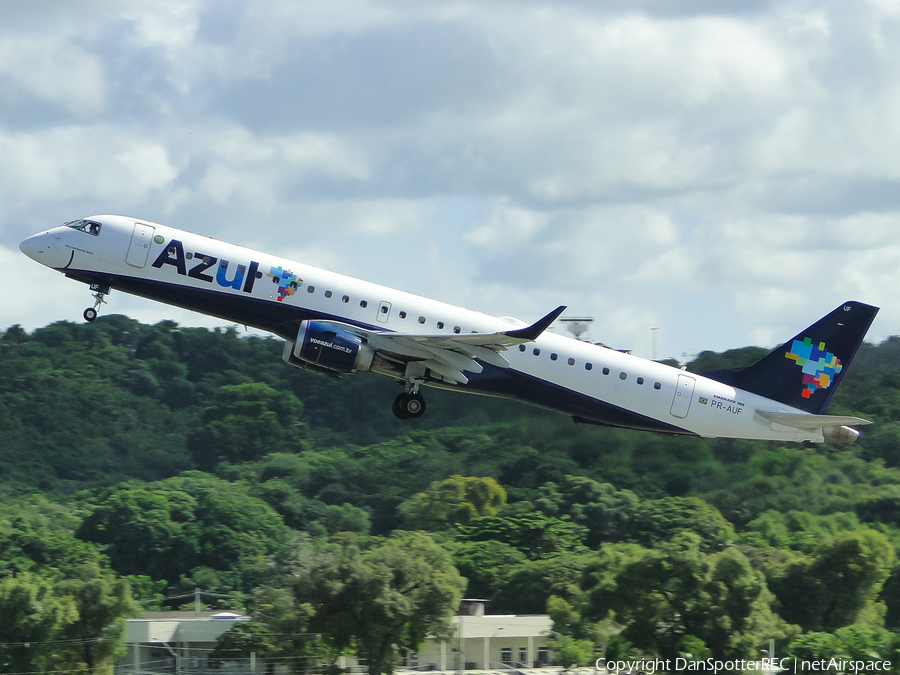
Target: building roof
(203,615)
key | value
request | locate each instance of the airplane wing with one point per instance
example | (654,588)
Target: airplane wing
(452,355)
(805,421)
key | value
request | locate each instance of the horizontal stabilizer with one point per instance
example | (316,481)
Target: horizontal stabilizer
(803,421)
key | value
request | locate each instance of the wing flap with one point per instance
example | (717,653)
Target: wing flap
(452,355)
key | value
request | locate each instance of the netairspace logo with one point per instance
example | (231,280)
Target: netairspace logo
(789,665)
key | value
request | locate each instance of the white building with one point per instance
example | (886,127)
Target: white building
(486,642)
(166,642)
(180,642)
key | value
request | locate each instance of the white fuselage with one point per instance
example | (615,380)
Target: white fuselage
(585,380)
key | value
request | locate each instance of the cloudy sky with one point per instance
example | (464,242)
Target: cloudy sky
(726,172)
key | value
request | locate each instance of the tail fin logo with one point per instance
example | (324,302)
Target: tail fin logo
(818,364)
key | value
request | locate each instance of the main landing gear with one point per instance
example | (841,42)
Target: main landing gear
(409,404)
(91,312)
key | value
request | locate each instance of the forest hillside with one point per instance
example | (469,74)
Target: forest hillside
(139,462)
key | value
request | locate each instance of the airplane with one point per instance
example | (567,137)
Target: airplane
(339,325)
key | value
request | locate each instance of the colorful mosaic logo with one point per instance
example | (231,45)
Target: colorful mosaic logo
(287,281)
(818,364)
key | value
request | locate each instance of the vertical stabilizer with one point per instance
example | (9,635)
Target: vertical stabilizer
(805,371)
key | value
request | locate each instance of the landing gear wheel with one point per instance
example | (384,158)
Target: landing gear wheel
(409,405)
(399,409)
(91,312)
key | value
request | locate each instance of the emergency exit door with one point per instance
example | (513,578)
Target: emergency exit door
(684,392)
(139,248)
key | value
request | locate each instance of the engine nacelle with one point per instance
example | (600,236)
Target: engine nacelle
(326,346)
(840,434)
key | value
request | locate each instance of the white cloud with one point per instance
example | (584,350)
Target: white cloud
(507,228)
(65,163)
(60,72)
(327,153)
(703,171)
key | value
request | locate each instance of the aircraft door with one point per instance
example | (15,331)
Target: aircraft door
(684,392)
(384,311)
(139,248)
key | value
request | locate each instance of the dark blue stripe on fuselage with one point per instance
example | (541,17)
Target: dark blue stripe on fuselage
(284,321)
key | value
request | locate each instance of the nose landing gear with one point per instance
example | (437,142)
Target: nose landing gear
(101,292)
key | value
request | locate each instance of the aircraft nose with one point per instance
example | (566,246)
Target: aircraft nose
(32,247)
(46,248)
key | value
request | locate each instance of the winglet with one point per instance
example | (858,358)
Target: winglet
(534,330)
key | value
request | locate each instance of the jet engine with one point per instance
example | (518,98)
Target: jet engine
(326,346)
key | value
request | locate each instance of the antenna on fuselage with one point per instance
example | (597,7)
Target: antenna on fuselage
(577,326)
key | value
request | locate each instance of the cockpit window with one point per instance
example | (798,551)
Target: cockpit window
(89,226)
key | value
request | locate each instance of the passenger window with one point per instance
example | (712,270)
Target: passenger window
(421,319)
(327,293)
(623,376)
(640,380)
(346,298)
(588,366)
(402,315)
(384,309)
(606,371)
(536,351)
(553,357)
(223,265)
(363,303)
(440,325)
(657,385)
(310,289)
(456,329)
(521,348)
(571,361)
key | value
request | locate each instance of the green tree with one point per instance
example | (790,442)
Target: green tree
(242,640)
(663,595)
(457,499)
(535,535)
(184,525)
(839,586)
(406,588)
(532,584)
(570,652)
(103,602)
(862,643)
(346,518)
(692,648)
(382,600)
(34,617)
(245,422)
(287,621)
(489,566)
